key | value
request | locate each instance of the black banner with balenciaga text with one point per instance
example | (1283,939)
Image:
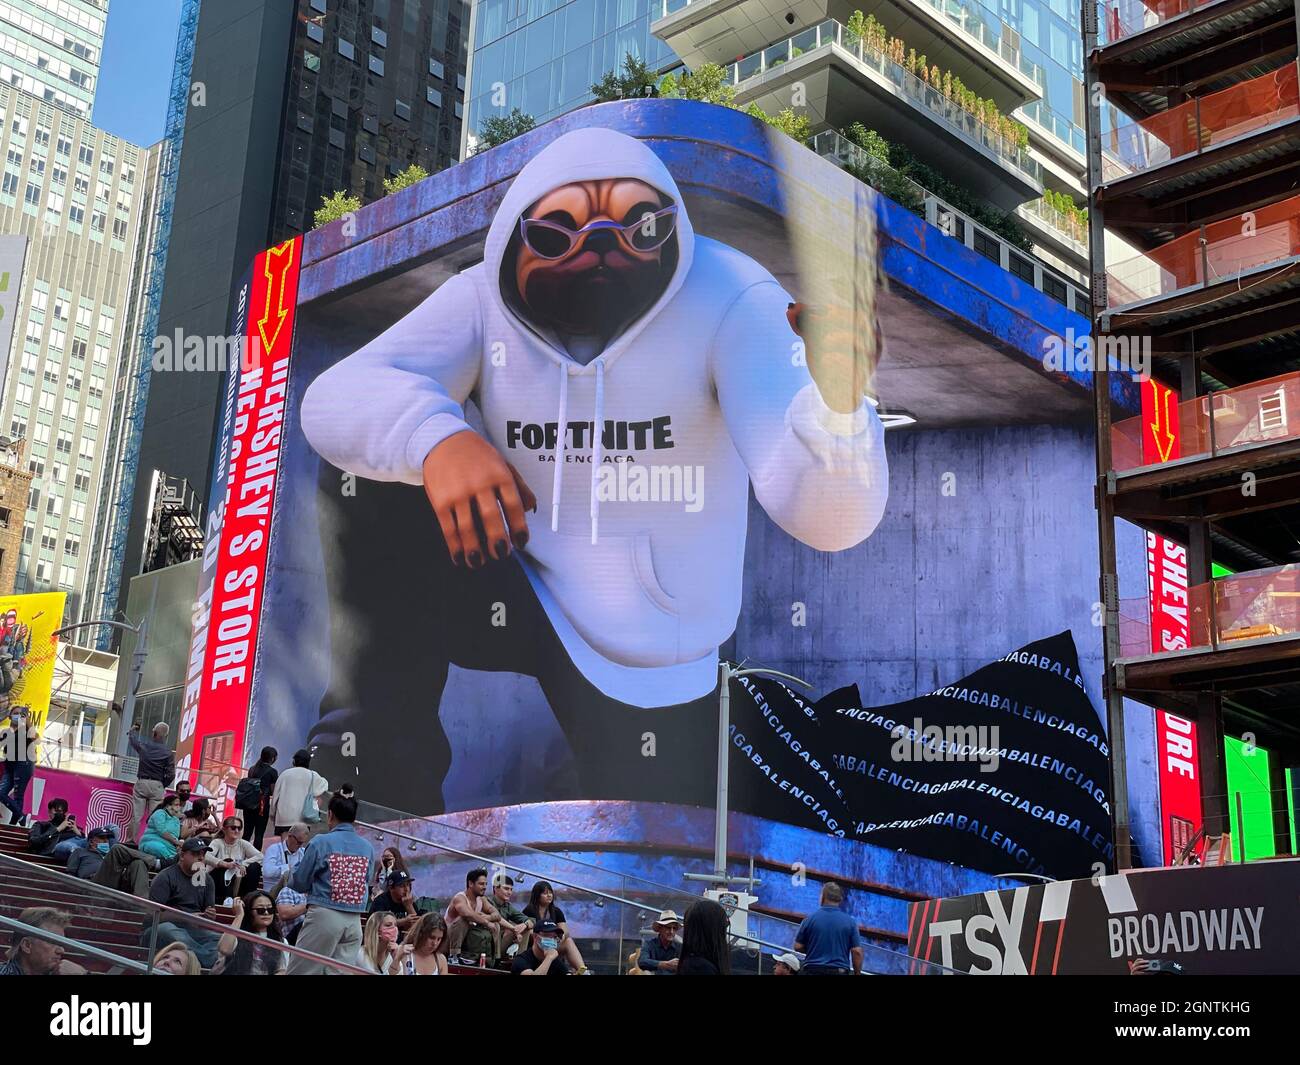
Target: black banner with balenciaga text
(1004,770)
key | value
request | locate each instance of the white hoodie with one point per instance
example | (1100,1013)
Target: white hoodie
(641,593)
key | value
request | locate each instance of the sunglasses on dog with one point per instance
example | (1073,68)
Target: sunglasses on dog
(551,240)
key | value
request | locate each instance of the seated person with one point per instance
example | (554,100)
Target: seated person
(200,821)
(33,956)
(282,857)
(379,952)
(233,861)
(254,913)
(183,793)
(113,865)
(542,956)
(419,955)
(659,954)
(397,900)
(541,907)
(514,923)
(59,830)
(472,923)
(162,836)
(178,887)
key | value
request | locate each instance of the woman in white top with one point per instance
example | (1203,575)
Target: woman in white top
(379,952)
(231,858)
(419,955)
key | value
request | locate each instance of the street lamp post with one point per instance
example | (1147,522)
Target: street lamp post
(726,673)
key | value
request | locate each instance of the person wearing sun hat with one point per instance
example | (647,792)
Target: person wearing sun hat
(660,952)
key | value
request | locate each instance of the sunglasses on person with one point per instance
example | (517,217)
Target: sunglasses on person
(263,911)
(551,240)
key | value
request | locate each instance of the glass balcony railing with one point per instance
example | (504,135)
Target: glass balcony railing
(1208,254)
(1119,19)
(921,94)
(1225,612)
(1262,412)
(935,210)
(1056,124)
(1201,123)
(1071,227)
(967,15)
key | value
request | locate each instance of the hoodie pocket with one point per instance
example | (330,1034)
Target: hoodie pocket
(644,558)
(610,593)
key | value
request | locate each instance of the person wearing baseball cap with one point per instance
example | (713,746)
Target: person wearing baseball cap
(179,887)
(660,953)
(398,900)
(105,861)
(542,958)
(786,964)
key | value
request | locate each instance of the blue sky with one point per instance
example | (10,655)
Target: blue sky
(136,71)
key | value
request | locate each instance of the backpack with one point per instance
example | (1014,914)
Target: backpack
(248,795)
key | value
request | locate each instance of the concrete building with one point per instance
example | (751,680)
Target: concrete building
(84,200)
(52,48)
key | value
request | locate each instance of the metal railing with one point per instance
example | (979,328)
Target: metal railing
(78,897)
(1201,123)
(592,905)
(921,94)
(1208,254)
(1118,19)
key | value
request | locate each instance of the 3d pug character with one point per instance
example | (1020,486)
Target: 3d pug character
(633,380)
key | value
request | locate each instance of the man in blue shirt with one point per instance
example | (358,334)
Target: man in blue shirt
(334,874)
(829,938)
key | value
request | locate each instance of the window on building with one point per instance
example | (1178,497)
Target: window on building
(346,50)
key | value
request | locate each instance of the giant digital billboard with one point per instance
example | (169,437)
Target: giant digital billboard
(572,422)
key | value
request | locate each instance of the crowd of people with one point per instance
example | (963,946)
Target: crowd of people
(319,887)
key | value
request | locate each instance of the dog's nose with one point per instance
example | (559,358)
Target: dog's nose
(601,241)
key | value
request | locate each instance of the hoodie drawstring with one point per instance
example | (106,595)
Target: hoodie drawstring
(557,479)
(598,434)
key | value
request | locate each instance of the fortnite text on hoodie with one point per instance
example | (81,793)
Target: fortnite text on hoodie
(641,596)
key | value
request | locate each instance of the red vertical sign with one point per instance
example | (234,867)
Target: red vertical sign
(235,610)
(1176,745)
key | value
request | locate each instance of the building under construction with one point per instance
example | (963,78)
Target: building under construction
(1194,176)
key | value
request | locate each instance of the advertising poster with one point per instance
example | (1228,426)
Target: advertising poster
(28,648)
(604,413)
(228,608)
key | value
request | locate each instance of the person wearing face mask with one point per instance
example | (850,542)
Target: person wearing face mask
(542,958)
(18,745)
(254,913)
(113,865)
(379,951)
(60,830)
